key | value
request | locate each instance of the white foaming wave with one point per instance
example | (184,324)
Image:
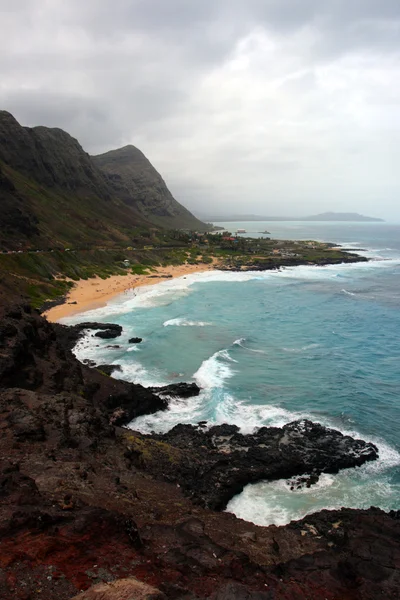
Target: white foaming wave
(249,417)
(168,291)
(240,343)
(214,371)
(180,410)
(182,322)
(85,348)
(210,377)
(165,292)
(343,291)
(135,372)
(226,356)
(316,273)
(268,503)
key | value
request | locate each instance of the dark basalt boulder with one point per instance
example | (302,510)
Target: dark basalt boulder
(178,390)
(99,326)
(135,340)
(107,334)
(220,461)
(69,335)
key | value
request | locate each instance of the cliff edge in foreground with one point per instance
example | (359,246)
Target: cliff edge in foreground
(82,503)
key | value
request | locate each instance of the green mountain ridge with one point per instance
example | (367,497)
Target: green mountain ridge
(139,185)
(53,193)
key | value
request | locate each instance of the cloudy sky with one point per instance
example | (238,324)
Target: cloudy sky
(262,106)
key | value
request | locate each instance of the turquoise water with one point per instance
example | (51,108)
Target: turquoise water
(268,348)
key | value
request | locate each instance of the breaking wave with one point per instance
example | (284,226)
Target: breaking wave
(182,322)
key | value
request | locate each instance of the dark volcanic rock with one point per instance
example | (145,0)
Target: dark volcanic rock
(99,326)
(179,390)
(220,461)
(36,355)
(83,502)
(69,335)
(135,340)
(107,334)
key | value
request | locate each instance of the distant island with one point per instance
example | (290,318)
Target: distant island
(327,216)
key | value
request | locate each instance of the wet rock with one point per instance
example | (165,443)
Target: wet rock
(178,390)
(107,334)
(135,340)
(99,326)
(220,461)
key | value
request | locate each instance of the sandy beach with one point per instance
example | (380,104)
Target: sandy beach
(88,294)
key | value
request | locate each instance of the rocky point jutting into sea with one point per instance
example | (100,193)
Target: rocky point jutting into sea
(85,501)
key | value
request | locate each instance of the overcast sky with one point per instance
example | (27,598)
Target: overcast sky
(262,106)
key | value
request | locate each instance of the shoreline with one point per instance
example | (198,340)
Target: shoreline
(89,294)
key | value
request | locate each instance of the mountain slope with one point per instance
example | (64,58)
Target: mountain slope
(52,194)
(137,183)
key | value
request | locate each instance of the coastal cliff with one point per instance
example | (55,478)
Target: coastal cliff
(85,501)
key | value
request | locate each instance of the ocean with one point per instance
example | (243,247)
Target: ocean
(268,348)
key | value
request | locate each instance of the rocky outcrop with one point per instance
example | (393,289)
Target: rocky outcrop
(98,326)
(178,390)
(217,463)
(36,355)
(85,503)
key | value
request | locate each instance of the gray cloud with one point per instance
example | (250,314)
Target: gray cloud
(255,106)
